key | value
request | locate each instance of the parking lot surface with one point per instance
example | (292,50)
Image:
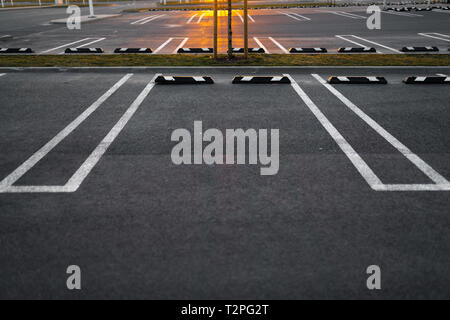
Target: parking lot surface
(86,178)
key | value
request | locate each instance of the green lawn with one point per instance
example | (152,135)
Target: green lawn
(115,60)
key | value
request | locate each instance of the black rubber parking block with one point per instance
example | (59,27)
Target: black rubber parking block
(261,80)
(307,50)
(183,80)
(427,80)
(356,80)
(133,50)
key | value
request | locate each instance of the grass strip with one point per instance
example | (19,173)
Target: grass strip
(124,60)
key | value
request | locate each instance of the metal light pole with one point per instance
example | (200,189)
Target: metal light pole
(245,29)
(230,33)
(3,3)
(91,9)
(215,30)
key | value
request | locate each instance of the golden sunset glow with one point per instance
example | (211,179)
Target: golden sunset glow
(221,13)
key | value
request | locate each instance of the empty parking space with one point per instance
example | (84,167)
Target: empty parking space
(364,133)
(387,157)
(417,120)
(33,112)
(135,205)
(73,107)
(63,163)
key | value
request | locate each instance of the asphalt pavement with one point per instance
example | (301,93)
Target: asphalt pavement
(140,226)
(276,30)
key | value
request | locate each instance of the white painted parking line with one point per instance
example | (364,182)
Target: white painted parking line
(201,17)
(346,14)
(435,35)
(147,19)
(290,16)
(413,187)
(278,45)
(137,21)
(162,46)
(404,14)
(6,185)
(2,74)
(180,45)
(66,45)
(440,11)
(299,15)
(353,156)
(154,18)
(351,41)
(260,44)
(89,43)
(371,42)
(440,182)
(240,17)
(191,18)
(377,44)
(441,34)
(77,179)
